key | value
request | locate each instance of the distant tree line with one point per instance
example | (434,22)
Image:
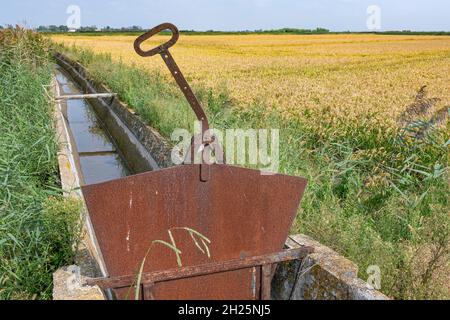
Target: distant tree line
(135,29)
(63,28)
(53,28)
(93,28)
(296,31)
(261,31)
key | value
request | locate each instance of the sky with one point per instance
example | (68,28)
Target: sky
(232,15)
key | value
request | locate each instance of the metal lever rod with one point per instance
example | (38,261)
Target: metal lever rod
(86,96)
(186,89)
(163,50)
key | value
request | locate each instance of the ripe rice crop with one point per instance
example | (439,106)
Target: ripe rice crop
(340,76)
(363,117)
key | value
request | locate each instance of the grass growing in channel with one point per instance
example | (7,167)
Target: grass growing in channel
(377,194)
(38,228)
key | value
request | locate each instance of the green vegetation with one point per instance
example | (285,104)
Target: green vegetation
(53,28)
(137,30)
(38,227)
(92,32)
(87,29)
(376,196)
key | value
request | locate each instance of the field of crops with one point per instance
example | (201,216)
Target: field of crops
(347,74)
(355,118)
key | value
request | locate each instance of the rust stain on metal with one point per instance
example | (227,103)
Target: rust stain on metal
(266,282)
(243,213)
(237,209)
(149,279)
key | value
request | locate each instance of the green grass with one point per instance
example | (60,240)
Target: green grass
(38,228)
(376,196)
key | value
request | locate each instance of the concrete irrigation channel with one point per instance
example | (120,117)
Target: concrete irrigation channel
(103,140)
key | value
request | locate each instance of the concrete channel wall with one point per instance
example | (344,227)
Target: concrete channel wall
(109,109)
(324,275)
(67,281)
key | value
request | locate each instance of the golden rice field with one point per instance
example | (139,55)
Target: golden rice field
(347,75)
(376,194)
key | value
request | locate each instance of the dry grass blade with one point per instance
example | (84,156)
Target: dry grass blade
(172,246)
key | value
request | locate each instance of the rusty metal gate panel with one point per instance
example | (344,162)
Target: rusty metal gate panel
(242,212)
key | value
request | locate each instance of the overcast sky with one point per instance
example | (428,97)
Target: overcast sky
(337,15)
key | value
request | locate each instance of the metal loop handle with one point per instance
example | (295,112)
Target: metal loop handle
(153,32)
(163,50)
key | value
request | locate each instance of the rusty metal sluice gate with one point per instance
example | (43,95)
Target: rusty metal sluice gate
(224,227)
